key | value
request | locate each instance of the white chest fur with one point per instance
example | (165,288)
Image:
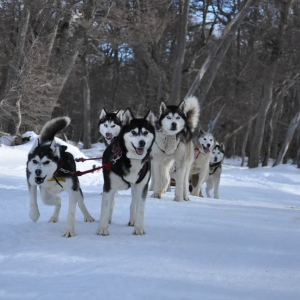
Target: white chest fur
(167,143)
(133,174)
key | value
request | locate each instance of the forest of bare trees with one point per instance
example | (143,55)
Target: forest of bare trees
(76,57)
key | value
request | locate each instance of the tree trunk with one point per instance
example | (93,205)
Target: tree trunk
(86,105)
(14,72)
(289,135)
(245,140)
(268,88)
(209,69)
(180,51)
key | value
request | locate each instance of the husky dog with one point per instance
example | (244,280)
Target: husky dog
(204,142)
(127,164)
(173,142)
(215,170)
(110,125)
(46,164)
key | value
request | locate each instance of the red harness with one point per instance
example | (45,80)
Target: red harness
(198,152)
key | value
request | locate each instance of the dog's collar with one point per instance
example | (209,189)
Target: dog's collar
(215,166)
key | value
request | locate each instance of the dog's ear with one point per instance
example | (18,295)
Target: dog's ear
(36,144)
(120,114)
(201,131)
(127,116)
(162,108)
(181,106)
(53,146)
(103,113)
(222,146)
(150,117)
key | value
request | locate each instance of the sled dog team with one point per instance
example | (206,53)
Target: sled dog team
(136,148)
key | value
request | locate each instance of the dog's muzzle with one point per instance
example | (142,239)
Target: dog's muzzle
(140,150)
(109,136)
(174,126)
(39,180)
(206,149)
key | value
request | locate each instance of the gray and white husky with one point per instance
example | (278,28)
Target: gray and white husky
(110,125)
(204,142)
(215,170)
(126,164)
(46,163)
(173,142)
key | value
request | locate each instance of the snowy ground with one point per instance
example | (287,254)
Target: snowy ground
(244,246)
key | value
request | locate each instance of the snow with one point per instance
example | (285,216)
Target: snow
(242,246)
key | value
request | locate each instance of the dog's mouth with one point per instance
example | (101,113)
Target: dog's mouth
(206,149)
(139,151)
(39,180)
(109,136)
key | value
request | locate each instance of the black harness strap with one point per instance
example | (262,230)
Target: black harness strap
(142,173)
(216,166)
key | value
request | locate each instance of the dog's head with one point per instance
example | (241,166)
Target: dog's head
(42,162)
(172,118)
(205,141)
(110,124)
(218,153)
(138,134)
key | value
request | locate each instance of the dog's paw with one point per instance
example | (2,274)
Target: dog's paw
(156,195)
(34,213)
(178,199)
(130,223)
(194,193)
(89,219)
(53,219)
(69,233)
(102,231)
(138,231)
(186,199)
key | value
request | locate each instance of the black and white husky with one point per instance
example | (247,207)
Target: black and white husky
(215,170)
(126,163)
(110,125)
(51,167)
(204,143)
(173,142)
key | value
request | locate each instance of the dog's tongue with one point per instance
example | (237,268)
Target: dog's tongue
(206,149)
(140,151)
(109,135)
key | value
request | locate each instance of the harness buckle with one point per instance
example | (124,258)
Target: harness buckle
(114,160)
(65,171)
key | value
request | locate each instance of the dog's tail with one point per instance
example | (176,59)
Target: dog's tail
(52,127)
(192,111)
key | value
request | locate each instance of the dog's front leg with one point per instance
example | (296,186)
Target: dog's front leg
(216,187)
(107,199)
(209,186)
(202,175)
(139,193)
(180,182)
(158,179)
(73,196)
(34,213)
(51,199)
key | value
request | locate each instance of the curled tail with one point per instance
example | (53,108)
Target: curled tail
(52,127)
(192,111)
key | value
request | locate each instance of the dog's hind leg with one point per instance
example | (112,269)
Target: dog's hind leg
(86,214)
(107,199)
(209,186)
(158,181)
(53,200)
(111,210)
(73,196)
(34,213)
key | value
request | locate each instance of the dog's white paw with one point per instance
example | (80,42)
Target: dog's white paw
(53,220)
(102,231)
(156,195)
(178,199)
(139,231)
(89,219)
(34,213)
(69,233)
(194,193)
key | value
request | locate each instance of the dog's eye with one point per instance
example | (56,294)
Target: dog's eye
(105,125)
(177,118)
(133,132)
(204,139)
(112,126)
(47,162)
(168,117)
(34,161)
(145,132)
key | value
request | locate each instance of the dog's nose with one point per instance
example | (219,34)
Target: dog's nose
(142,143)
(174,125)
(208,145)
(215,159)
(38,172)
